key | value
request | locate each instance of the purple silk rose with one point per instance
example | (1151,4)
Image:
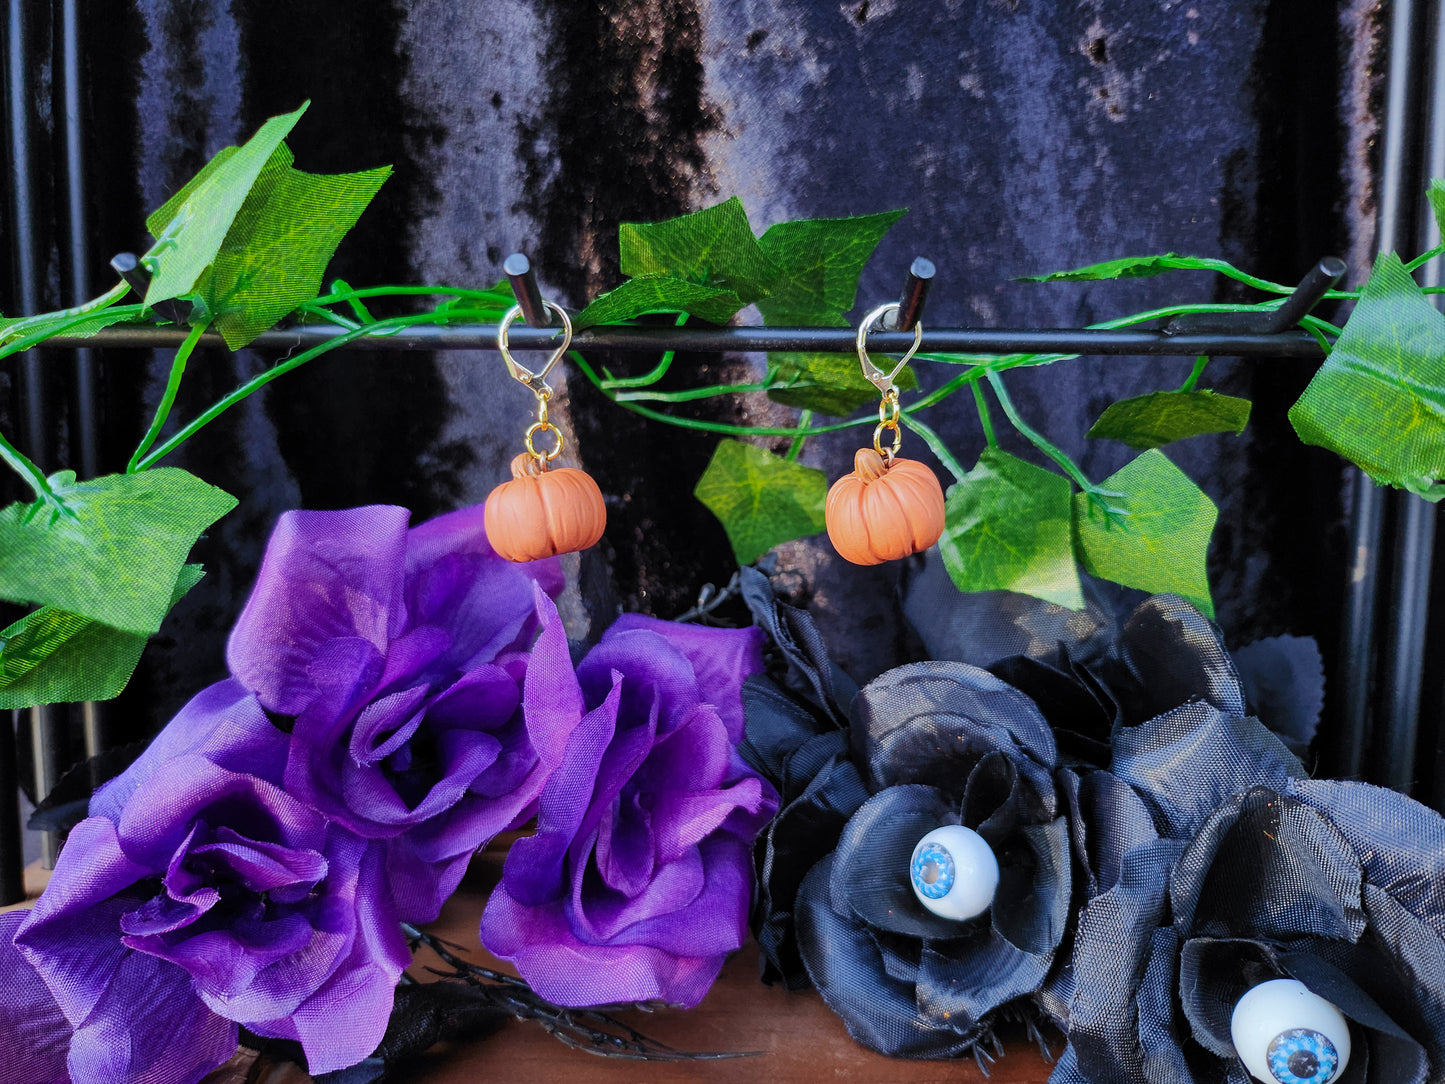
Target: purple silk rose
(400,655)
(199,894)
(638,881)
(34,1034)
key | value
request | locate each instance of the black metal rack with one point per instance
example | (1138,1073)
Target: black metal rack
(1382,662)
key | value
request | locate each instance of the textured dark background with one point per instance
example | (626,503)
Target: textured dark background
(1023,136)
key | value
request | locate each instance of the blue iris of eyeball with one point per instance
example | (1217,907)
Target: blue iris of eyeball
(1287,1034)
(954,872)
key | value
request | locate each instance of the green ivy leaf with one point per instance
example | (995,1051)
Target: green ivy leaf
(1162,417)
(820,260)
(114,551)
(279,244)
(52,656)
(1008,527)
(1379,398)
(190,227)
(828,383)
(1129,267)
(1436,194)
(761,499)
(713,247)
(659,293)
(1161,543)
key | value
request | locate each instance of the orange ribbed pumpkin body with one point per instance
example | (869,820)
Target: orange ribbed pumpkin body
(541,513)
(883,512)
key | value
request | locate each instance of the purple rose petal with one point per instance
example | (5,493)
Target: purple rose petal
(34,1033)
(638,880)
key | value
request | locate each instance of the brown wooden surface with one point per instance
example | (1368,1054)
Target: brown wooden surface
(796,1037)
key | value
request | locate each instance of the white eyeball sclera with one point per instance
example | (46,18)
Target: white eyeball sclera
(1285,1034)
(954,872)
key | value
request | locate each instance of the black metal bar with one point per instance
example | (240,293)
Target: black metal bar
(85,441)
(127,266)
(1320,278)
(85,433)
(646,340)
(12,841)
(38,427)
(915,293)
(47,753)
(24,245)
(1297,305)
(524,285)
(1396,699)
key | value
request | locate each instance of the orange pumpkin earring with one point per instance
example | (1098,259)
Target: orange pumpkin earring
(542,512)
(888,507)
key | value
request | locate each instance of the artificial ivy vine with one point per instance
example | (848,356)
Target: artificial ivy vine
(245,243)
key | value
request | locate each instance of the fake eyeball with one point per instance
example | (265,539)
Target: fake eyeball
(954,872)
(1285,1034)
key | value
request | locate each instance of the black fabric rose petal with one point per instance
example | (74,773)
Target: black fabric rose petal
(794,634)
(930,722)
(847,965)
(1126,867)
(1401,847)
(1111,955)
(1190,761)
(1174,654)
(870,866)
(795,841)
(1275,886)
(984,626)
(1269,864)
(1078,706)
(805,756)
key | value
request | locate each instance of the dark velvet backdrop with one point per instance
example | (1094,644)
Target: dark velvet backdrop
(1024,136)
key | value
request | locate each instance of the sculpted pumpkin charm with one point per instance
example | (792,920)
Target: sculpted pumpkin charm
(541,513)
(885,510)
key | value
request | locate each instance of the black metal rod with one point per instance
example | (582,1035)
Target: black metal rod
(647,340)
(914,295)
(1321,277)
(1300,301)
(524,286)
(38,422)
(127,266)
(1396,697)
(85,438)
(12,839)
(24,246)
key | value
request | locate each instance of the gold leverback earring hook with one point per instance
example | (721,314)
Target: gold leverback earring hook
(874,375)
(537,380)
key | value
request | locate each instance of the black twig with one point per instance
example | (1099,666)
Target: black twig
(594,1030)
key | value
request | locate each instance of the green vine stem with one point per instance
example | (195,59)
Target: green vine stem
(1200,364)
(168,398)
(649,378)
(984,418)
(34,477)
(940,449)
(805,419)
(57,323)
(1039,441)
(281,368)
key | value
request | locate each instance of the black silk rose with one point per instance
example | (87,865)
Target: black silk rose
(944,743)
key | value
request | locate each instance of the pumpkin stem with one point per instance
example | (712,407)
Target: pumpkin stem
(525,465)
(869,465)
